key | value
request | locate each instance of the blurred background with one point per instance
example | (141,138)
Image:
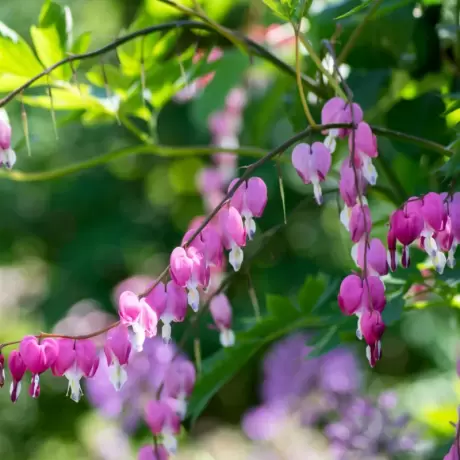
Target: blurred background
(67,243)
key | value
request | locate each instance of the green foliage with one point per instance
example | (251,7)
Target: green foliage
(232,66)
(94,229)
(17,61)
(283,317)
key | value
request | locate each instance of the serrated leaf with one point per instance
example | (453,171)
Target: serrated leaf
(55,15)
(279,306)
(48,48)
(355,10)
(17,61)
(310,293)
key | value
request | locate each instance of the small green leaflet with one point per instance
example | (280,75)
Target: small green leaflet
(355,10)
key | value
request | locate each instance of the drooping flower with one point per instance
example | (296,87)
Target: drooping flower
(391,242)
(336,110)
(38,357)
(162,420)
(17,369)
(312,165)
(233,234)
(360,222)
(208,242)
(364,149)
(350,294)
(156,298)
(76,359)
(189,270)
(117,349)
(221,312)
(250,200)
(147,373)
(348,181)
(2,370)
(137,314)
(435,217)
(7,154)
(372,327)
(176,308)
(376,257)
(178,384)
(373,294)
(5,130)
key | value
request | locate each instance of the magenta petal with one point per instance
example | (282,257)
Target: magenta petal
(128,307)
(87,357)
(321,159)
(302,162)
(66,357)
(221,311)
(350,294)
(117,344)
(256,196)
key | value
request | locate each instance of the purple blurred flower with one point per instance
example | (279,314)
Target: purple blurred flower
(290,376)
(324,392)
(146,373)
(262,423)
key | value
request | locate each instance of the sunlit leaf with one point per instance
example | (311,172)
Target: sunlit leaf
(17,61)
(48,48)
(109,75)
(58,16)
(81,44)
(69,99)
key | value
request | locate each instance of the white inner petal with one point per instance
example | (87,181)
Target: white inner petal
(236,257)
(117,374)
(227,338)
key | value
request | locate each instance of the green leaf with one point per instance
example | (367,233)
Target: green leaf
(70,99)
(217,371)
(115,79)
(282,319)
(327,341)
(59,17)
(229,69)
(279,8)
(17,61)
(48,48)
(81,45)
(355,10)
(393,309)
(279,306)
(310,293)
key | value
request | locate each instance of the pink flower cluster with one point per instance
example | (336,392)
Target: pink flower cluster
(433,221)
(70,358)
(75,359)
(7,154)
(362,295)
